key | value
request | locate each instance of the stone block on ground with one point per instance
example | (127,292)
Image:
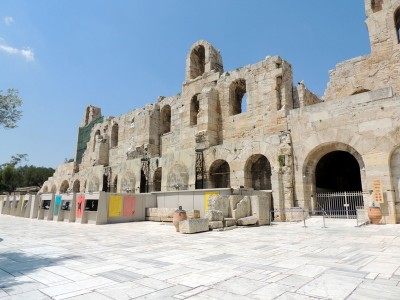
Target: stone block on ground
(243,208)
(214,215)
(166,212)
(233,202)
(193,214)
(154,219)
(193,225)
(229,222)
(152,212)
(260,208)
(247,221)
(218,202)
(215,224)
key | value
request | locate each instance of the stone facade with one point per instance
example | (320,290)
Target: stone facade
(254,128)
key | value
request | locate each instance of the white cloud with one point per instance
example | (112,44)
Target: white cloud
(26,53)
(9,20)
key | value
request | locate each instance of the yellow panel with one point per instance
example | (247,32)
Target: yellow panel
(206,195)
(115,206)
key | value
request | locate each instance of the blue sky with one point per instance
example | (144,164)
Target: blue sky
(119,55)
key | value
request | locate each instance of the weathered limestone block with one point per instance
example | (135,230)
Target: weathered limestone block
(193,225)
(193,214)
(214,215)
(164,212)
(247,221)
(158,214)
(243,208)
(229,222)
(233,202)
(154,219)
(218,202)
(215,224)
(260,206)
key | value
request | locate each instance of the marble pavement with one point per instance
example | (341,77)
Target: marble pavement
(145,260)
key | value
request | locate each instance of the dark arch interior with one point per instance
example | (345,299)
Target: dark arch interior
(397,23)
(143,182)
(220,174)
(260,173)
(338,171)
(198,59)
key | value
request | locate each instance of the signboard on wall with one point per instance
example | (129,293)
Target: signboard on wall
(115,206)
(80,206)
(206,196)
(57,204)
(377,190)
(129,206)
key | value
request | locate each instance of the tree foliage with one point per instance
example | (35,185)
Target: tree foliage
(9,108)
(13,176)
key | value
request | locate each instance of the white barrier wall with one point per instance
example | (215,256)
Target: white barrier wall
(106,208)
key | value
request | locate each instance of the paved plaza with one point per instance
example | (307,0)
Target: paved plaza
(146,260)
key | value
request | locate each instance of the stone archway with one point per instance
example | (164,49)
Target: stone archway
(257,173)
(157,180)
(77,186)
(64,187)
(219,174)
(325,157)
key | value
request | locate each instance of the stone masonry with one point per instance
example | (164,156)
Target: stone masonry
(254,128)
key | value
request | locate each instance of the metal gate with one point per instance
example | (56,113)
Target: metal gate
(340,205)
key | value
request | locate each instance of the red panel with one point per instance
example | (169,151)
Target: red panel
(80,206)
(129,206)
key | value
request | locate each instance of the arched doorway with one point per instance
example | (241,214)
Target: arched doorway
(115,184)
(157,180)
(258,173)
(333,180)
(77,186)
(64,187)
(338,171)
(143,182)
(338,185)
(220,174)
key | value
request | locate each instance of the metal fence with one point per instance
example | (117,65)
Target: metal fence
(318,217)
(340,205)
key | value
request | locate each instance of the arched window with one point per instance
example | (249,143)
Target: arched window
(115,184)
(64,187)
(197,61)
(95,139)
(278,89)
(257,173)
(45,189)
(376,5)
(132,123)
(53,189)
(237,97)
(194,110)
(114,135)
(166,119)
(77,186)
(397,23)
(220,174)
(157,180)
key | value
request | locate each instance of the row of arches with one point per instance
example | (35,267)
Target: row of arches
(335,171)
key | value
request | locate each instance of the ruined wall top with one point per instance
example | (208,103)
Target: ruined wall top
(379,69)
(92,113)
(202,59)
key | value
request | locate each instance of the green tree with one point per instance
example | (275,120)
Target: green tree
(9,108)
(10,178)
(13,176)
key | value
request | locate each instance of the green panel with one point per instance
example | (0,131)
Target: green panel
(84,137)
